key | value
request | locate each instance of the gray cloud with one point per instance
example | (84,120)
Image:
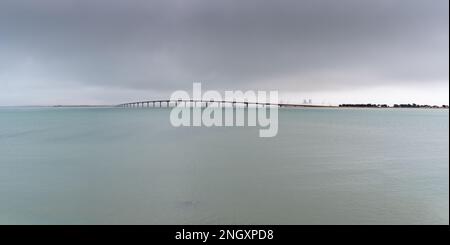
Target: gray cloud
(308,45)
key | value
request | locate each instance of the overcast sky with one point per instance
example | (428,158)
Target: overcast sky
(111,51)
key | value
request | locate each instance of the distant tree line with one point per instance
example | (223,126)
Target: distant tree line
(418,106)
(394,106)
(365,105)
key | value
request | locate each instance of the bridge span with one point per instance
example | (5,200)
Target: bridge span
(205,103)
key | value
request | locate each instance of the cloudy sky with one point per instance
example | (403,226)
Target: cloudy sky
(111,51)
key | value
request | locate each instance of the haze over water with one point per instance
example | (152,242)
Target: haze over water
(130,166)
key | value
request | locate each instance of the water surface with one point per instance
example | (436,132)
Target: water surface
(130,166)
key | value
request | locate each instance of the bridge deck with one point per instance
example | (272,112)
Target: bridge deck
(222,103)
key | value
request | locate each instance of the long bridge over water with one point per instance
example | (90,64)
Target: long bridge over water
(206,103)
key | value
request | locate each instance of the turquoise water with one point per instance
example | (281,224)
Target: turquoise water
(130,166)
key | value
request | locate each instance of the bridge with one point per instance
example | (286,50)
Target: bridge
(206,103)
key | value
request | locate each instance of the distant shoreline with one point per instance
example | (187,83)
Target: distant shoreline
(56,106)
(382,106)
(343,106)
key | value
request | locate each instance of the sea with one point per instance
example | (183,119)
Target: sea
(325,166)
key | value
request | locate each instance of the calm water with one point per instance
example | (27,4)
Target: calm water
(130,166)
